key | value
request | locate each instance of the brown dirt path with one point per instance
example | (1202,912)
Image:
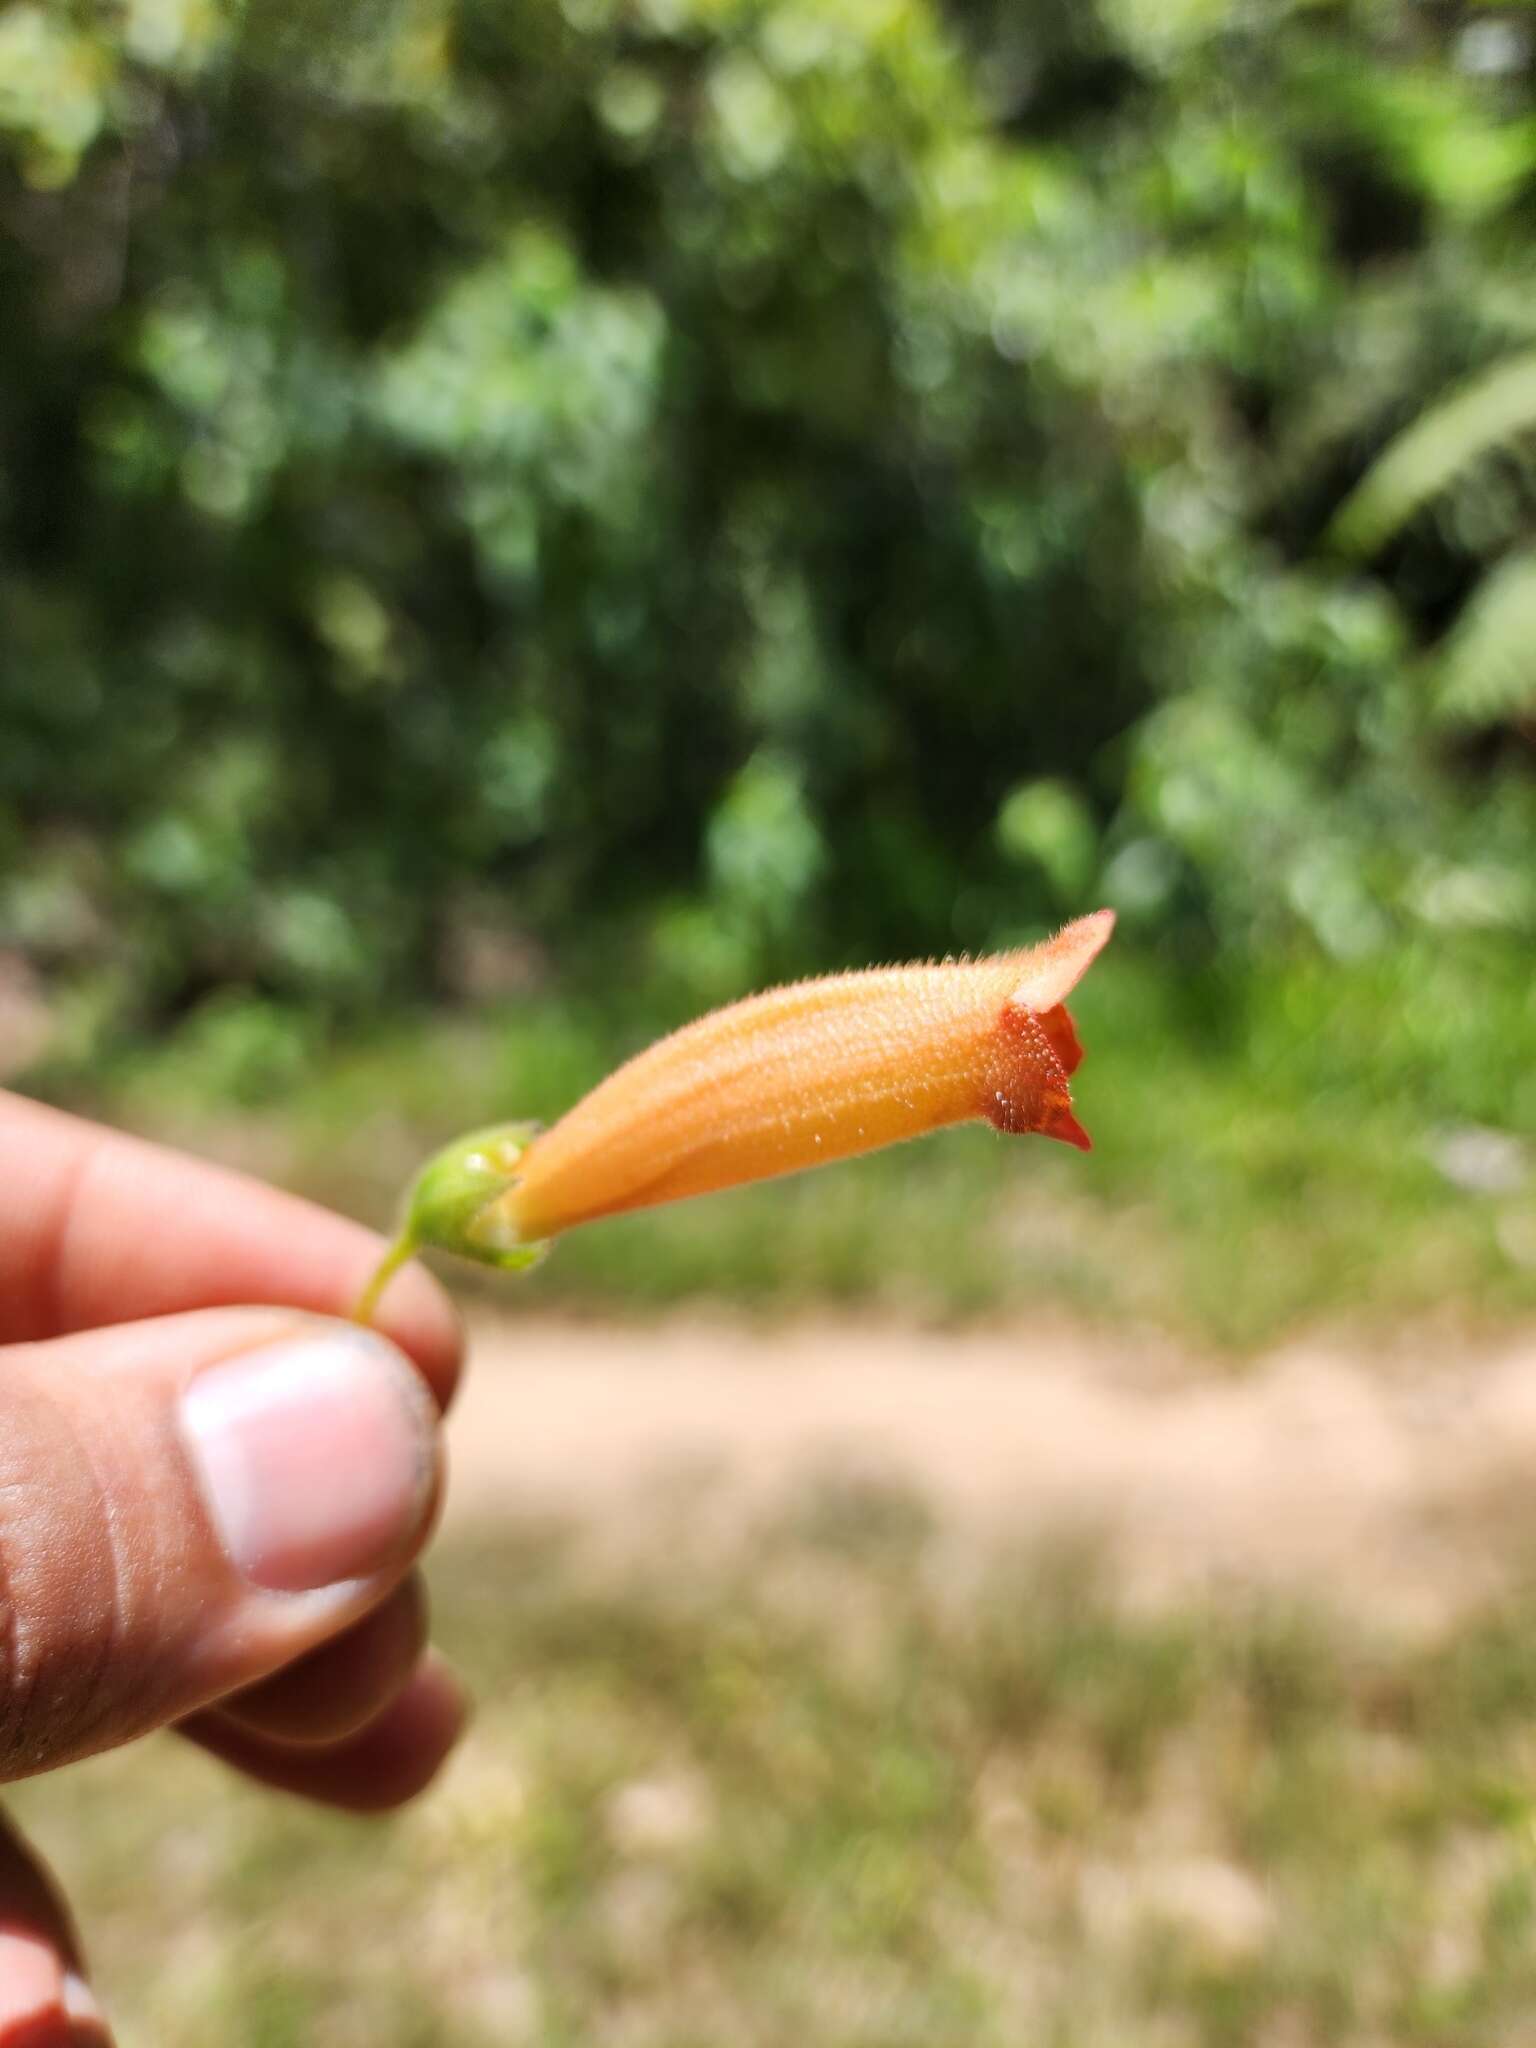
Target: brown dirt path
(1402,1479)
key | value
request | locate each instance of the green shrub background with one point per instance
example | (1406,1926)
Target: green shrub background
(708,488)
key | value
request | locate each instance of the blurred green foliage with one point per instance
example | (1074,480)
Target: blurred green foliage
(711,486)
(1329,1145)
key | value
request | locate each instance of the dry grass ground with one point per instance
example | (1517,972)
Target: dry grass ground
(1389,1478)
(860,1688)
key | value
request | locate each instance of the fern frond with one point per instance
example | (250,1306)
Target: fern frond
(1488,662)
(1491,409)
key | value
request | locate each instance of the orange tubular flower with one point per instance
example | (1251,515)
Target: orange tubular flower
(818,1071)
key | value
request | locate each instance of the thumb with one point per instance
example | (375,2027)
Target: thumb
(188,1504)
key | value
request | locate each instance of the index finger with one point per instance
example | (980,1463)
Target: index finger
(97,1228)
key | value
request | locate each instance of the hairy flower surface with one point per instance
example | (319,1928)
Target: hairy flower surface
(817,1071)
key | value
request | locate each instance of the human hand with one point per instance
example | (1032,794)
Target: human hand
(208,1509)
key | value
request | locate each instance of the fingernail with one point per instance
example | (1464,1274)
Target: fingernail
(30,1986)
(316,1458)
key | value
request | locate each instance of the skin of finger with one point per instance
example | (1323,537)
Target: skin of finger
(43,1998)
(338,1689)
(86,2018)
(132,1615)
(393,1759)
(100,1228)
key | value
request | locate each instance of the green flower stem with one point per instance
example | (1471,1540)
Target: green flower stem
(399,1254)
(450,1207)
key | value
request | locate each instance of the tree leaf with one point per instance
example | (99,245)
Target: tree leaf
(1488,411)
(1488,663)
